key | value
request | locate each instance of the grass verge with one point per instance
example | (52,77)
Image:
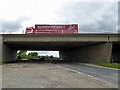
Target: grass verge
(1,62)
(110,65)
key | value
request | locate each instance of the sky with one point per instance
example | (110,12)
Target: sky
(44,53)
(92,16)
(99,16)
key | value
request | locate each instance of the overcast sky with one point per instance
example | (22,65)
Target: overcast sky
(44,53)
(92,16)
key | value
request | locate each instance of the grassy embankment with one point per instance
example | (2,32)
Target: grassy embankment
(110,65)
(1,62)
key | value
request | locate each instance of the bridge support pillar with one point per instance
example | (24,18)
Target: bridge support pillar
(100,53)
(1,40)
(9,54)
(65,55)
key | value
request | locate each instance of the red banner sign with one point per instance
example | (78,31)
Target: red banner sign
(70,27)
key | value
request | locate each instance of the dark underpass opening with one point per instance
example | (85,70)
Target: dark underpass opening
(84,52)
(115,57)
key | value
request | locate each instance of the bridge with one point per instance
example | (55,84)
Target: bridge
(88,48)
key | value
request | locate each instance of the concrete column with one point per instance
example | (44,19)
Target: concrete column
(1,40)
(65,55)
(9,54)
(100,53)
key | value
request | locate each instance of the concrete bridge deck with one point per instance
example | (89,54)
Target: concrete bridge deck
(91,48)
(60,37)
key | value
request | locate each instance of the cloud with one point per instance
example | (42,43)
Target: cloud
(49,53)
(119,17)
(105,25)
(44,53)
(12,25)
(91,16)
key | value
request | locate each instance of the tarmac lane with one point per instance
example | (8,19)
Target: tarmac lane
(105,74)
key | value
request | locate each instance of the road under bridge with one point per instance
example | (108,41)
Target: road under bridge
(88,48)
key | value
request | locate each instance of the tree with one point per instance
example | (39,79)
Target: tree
(33,54)
(21,54)
(51,56)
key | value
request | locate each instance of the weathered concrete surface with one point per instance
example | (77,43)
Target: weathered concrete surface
(56,38)
(9,53)
(98,53)
(0,48)
(1,61)
(93,54)
(65,55)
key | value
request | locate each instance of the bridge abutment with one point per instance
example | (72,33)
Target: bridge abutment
(1,42)
(65,55)
(9,54)
(99,53)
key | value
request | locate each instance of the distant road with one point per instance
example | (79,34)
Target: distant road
(106,74)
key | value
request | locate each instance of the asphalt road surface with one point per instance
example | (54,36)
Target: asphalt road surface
(105,74)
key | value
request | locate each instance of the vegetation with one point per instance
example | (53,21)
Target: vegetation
(50,58)
(33,54)
(1,62)
(111,65)
(22,54)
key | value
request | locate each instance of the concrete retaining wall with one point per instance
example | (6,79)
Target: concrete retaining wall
(93,54)
(1,40)
(65,55)
(9,53)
